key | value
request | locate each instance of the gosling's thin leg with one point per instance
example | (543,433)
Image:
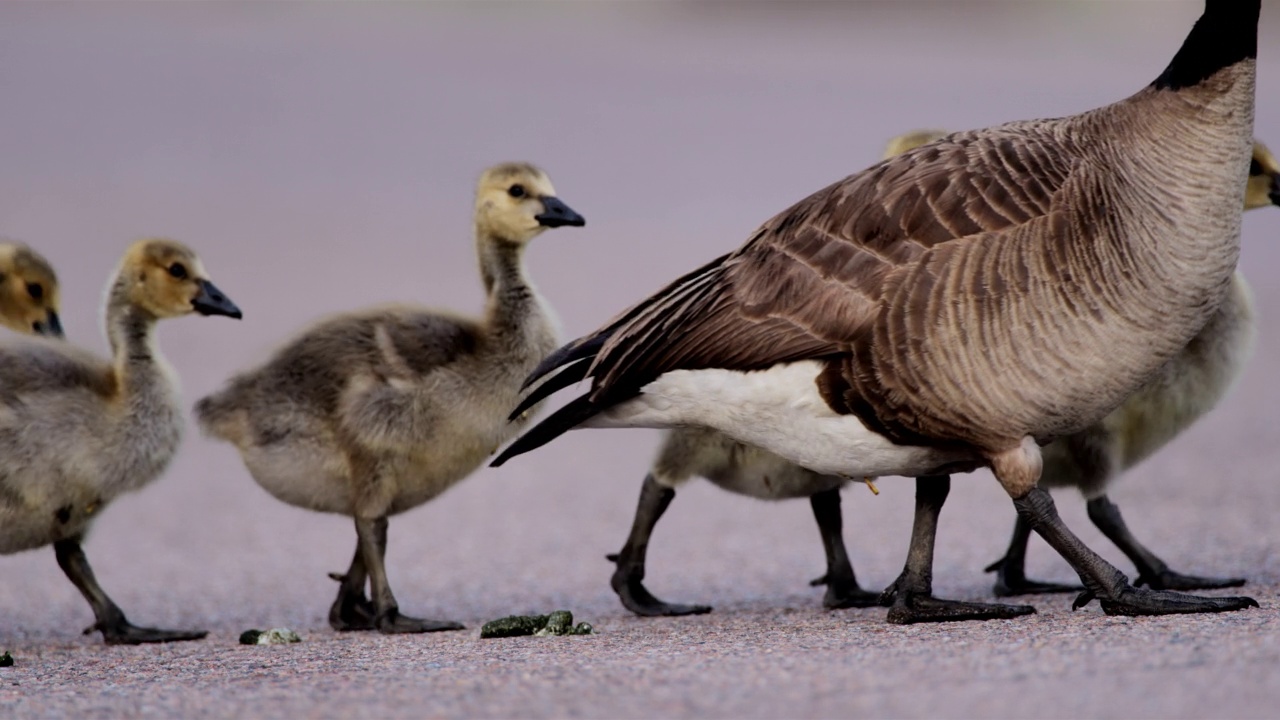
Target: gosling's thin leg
(1152,571)
(842,585)
(372,534)
(1010,570)
(911,597)
(628,576)
(109,618)
(1102,580)
(352,610)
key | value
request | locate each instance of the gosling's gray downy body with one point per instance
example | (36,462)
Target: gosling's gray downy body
(77,431)
(372,413)
(418,395)
(1184,390)
(959,304)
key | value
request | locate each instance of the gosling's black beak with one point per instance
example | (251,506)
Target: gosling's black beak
(51,327)
(211,301)
(1275,190)
(556,213)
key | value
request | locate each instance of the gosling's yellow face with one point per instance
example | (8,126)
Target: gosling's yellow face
(166,279)
(516,202)
(28,291)
(1264,179)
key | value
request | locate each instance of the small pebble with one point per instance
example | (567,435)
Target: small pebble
(557,623)
(6,660)
(274,636)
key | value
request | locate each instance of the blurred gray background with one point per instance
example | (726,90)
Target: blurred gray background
(321,157)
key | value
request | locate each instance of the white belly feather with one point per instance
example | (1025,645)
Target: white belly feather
(780,410)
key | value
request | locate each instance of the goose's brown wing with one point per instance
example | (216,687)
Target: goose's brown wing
(807,284)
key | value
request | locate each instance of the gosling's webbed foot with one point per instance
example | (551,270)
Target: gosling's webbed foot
(1170,580)
(636,598)
(392,622)
(1011,581)
(122,632)
(351,611)
(1136,602)
(845,593)
(908,607)
(351,614)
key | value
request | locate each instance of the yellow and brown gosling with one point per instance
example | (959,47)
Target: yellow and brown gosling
(78,430)
(371,413)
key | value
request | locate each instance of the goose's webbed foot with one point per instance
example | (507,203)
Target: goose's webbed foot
(351,610)
(907,606)
(1011,580)
(1102,580)
(1170,580)
(910,598)
(392,622)
(843,593)
(635,597)
(122,632)
(1136,602)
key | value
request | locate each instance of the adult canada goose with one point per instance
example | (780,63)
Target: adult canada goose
(77,431)
(958,305)
(689,452)
(1181,392)
(375,412)
(28,291)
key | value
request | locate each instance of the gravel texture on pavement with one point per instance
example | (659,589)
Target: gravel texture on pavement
(321,157)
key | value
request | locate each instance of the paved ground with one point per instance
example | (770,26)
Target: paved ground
(321,158)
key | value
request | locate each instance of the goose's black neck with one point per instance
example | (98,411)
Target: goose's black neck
(1224,35)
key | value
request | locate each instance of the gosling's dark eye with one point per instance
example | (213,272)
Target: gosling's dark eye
(516,191)
(178,270)
(35,290)
(1255,167)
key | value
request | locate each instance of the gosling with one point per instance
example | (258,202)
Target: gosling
(374,412)
(1184,390)
(77,431)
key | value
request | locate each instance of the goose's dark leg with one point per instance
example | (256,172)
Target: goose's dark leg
(628,576)
(352,610)
(109,618)
(842,585)
(1152,571)
(911,597)
(372,534)
(1010,570)
(1102,580)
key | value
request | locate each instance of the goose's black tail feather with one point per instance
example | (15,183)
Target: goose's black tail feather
(561,380)
(576,351)
(556,424)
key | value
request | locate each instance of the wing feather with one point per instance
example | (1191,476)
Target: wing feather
(808,283)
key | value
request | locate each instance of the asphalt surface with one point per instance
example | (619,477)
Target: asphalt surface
(321,157)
